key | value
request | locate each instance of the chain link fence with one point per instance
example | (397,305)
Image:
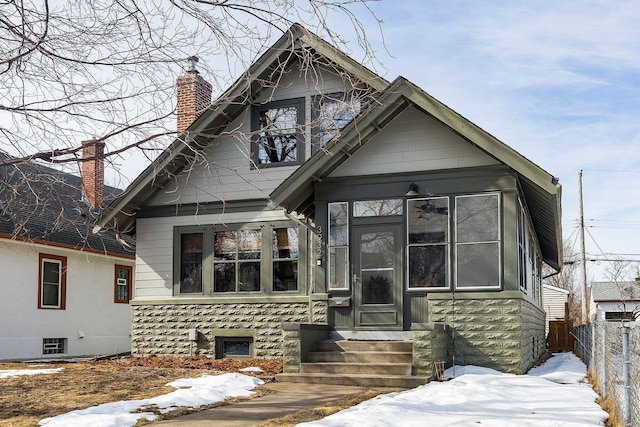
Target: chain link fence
(611,352)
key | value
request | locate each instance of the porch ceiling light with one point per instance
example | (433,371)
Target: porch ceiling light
(413,190)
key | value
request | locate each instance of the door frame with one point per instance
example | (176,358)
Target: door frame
(378,316)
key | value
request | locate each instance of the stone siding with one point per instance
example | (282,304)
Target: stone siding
(489,331)
(431,344)
(534,340)
(163,328)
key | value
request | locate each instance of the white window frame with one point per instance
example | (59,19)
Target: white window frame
(446,244)
(347,281)
(498,241)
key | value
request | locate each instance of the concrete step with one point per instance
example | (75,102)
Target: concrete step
(363,380)
(333,368)
(361,356)
(353,345)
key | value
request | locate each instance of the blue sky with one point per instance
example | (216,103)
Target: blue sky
(557,81)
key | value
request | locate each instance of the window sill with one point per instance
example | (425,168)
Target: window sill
(246,299)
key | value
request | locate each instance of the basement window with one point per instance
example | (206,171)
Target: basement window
(234,347)
(53,345)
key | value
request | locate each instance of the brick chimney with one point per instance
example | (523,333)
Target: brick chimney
(93,173)
(194,96)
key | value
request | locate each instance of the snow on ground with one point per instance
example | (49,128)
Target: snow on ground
(191,392)
(554,394)
(551,395)
(10,373)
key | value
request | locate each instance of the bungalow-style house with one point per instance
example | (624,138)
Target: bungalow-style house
(67,289)
(614,301)
(315,206)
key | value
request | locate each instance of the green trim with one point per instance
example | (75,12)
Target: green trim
(462,295)
(258,299)
(266,257)
(204,208)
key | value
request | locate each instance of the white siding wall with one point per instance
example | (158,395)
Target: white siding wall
(554,302)
(603,307)
(413,142)
(89,304)
(154,250)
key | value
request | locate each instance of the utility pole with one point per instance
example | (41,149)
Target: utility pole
(583,260)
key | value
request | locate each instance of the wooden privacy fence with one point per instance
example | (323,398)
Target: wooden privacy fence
(560,336)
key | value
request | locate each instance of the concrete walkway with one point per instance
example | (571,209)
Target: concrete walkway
(281,399)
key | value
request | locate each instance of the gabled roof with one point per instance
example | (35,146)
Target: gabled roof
(540,189)
(612,291)
(43,205)
(121,213)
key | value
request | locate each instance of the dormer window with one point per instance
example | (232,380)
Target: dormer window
(278,136)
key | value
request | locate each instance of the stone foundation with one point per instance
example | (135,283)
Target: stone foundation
(501,331)
(163,328)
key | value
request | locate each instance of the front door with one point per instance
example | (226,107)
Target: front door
(377,276)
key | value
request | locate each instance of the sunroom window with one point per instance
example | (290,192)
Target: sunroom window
(428,242)
(477,241)
(338,245)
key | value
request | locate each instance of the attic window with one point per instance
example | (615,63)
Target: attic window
(332,113)
(277,133)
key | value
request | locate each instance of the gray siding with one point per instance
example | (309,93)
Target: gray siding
(414,141)
(223,170)
(154,251)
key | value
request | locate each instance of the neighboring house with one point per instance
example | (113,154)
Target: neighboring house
(614,301)
(315,199)
(67,290)
(555,301)
(559,327)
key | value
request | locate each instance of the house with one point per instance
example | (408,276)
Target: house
(67,290)
(559,326)
(315,200)
(555,301)
(614,301)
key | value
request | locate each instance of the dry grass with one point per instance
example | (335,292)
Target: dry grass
(606,403)
(25,400)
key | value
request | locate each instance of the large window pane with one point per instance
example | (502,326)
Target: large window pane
(338,224)
(477,218)
(285,255)
(285,275)
(225,244)
(428,266)
(224,277)
(277,139)
(248,276)
(191,263)
(338,268)
(478,265)
(428,220)
(249,244)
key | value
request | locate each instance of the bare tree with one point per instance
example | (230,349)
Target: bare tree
(106,69)
(625,275)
